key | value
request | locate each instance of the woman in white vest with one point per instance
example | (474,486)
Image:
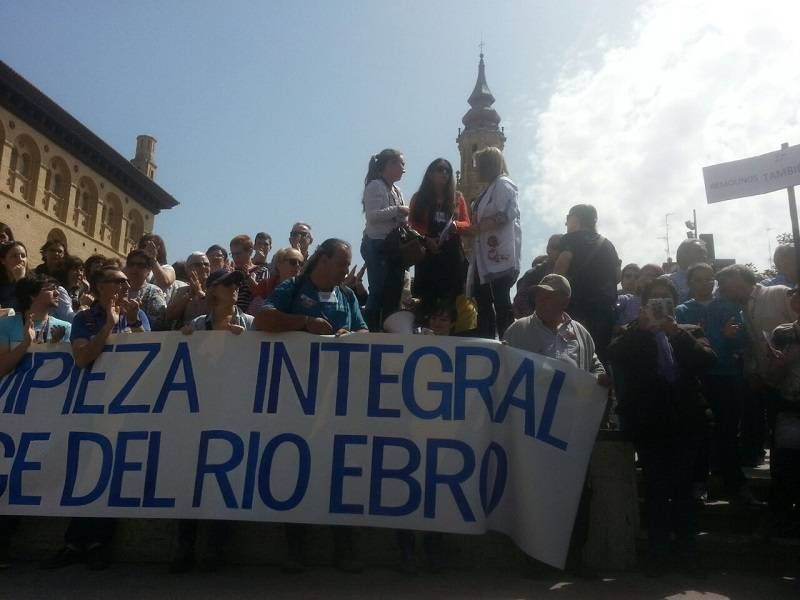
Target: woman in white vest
(496,245)
(384,210)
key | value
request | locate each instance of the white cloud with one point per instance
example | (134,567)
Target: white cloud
(698,83)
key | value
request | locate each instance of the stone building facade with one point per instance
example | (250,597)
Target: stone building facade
(481,130)
(59,180)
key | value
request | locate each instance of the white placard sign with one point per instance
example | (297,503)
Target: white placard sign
(402,431)
(753,176)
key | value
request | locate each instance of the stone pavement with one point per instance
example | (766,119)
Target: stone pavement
(24,581)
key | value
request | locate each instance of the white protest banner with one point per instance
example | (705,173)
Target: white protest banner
(410,432)
(753,176)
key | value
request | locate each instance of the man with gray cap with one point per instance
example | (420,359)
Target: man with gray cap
(551,332)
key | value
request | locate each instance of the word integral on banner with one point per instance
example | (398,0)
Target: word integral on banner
(409,432)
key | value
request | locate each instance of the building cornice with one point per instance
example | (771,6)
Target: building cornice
(28,103)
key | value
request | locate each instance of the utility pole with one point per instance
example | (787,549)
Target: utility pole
(666,231)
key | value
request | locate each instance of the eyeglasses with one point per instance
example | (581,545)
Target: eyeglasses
(299,234)
(138,265)
(295,262)
(116,280)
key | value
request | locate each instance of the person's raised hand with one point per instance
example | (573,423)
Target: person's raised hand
(195,285)
(350,278)
(112,310)
(131,308)
(669,326)
(28,331)
(235,329)
(731,329)
(604,380)
(57,333)
(403,210)
(318,326)
(150,249)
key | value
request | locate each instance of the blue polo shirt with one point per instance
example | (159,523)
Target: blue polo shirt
(712,318)
(89,322)
(339,307)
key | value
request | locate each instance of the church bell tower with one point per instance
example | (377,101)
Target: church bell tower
(481,130)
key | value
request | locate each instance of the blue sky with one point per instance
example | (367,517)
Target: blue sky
(267,112)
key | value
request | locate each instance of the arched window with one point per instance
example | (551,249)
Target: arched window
(135,230)
(56,187)
(86,206)
(112,220)
(23,172)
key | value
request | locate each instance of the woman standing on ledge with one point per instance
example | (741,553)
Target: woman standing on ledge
(439,213)
(496,245)
(384,211)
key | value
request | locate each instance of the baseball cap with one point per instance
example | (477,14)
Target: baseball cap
(223,277)
(555,283)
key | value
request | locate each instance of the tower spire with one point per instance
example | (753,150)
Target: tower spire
(481,130)
(481,96)
(481,114)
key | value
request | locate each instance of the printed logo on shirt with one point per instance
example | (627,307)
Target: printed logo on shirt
(307,302)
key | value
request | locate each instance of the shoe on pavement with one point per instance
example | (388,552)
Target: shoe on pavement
(292,566)
(68,555)
(350,565)
(98,558)
(182,563)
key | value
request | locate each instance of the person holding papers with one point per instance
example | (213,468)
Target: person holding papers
(439,213)
(317,301)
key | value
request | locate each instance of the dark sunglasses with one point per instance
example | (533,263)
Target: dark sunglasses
(139,265)
(299,234)
(117,280)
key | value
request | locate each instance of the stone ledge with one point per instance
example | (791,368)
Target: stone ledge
(256,543)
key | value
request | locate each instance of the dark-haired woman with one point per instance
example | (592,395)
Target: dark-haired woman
(53,253)
(439,213)
(162,272)
(384,210)
(6,235)
(657,367)
(13,267)
(73,280)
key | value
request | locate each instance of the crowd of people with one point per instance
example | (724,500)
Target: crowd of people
(702,366)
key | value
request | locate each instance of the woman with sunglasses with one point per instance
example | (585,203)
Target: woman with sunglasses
(87,539)
(288,262)
(439,213)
